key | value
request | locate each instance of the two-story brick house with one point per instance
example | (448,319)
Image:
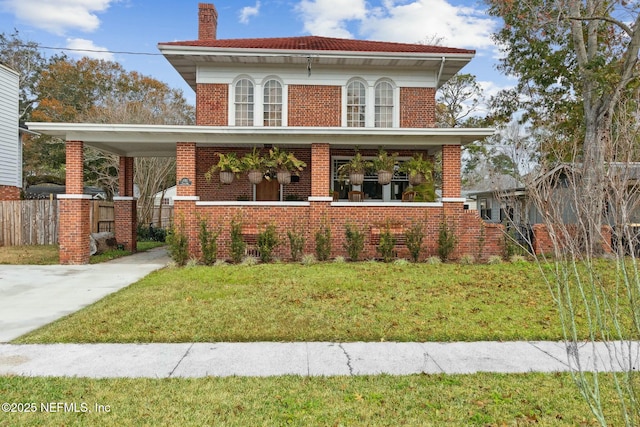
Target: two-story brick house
(318,97)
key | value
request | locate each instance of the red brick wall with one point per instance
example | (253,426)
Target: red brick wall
(8,192)
(212,105)
(74,232)
(417,107)
(126,223)
(315,105)
(125,176)
(74,167)
(368,219)
(451,165)
(186,167)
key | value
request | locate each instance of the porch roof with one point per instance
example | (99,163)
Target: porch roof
(130,140)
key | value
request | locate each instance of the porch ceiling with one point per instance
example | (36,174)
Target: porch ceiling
(160,141)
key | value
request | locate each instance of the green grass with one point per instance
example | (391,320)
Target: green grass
(426,400)
(322,302)
(29,255)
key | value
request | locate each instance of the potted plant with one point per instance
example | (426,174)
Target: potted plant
(229,166)
(255,166)
(354,169)
(384,164)
(284,164)
(417,169)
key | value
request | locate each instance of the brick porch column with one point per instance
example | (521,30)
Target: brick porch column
(320,200)
(184,204)
(75,227)
(125,206)
(452,200)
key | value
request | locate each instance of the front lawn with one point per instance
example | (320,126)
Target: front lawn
(425,400)
(322,302)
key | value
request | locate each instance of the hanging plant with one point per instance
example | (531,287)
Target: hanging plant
(255,166)
(384,164)
(418,169)
(354,169)
(229,166)
(284,163)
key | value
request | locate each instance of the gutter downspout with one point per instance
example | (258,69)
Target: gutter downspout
(440,72)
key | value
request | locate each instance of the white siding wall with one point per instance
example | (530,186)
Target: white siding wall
(10,149)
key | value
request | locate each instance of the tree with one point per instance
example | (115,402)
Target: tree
(98,91)
(25,58)
(569,54)
(457,101)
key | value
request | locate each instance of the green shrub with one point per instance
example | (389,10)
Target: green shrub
(494,259)
(434,260)
(447,240)
(387,244)
(249,261)
(354,244)
(308,259)
(467,259)
(296,243)
(178,244)
(238,246)
(208,243)
(150,234)
(414,236)
(268,240)
(339,259)
(323,243)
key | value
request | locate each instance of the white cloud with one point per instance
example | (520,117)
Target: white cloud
(330,17)
(399,20)
(248,12)
(83,47)
(58,16)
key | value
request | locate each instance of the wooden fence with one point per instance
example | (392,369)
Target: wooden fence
(36,222)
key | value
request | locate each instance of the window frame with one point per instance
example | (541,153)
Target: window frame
(251,104)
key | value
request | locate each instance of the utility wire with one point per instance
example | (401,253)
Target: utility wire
(93,50)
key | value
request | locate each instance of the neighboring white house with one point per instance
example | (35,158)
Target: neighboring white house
(165,197)
(10,146)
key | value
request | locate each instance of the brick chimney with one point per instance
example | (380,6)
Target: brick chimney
(207,21)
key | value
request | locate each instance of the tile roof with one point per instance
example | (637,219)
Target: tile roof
(316,43)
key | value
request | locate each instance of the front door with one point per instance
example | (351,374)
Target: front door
(268,191)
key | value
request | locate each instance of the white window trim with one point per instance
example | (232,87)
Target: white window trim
(285,99)
(232,99)
(370,102)
(395,120)
(258,100)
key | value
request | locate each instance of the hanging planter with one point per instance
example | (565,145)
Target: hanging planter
(354,169)
(283,164)
(385,164)
(356,178)
(229,166)
(384,177)
(284,177)
(416,179)
(226,177)
(255,165)
(255,176)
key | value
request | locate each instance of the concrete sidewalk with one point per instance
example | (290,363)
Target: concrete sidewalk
(33,295)
(305,359)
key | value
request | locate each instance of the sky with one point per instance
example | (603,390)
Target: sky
(107,29)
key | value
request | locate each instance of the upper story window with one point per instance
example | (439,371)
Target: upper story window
(384,105)
(244,102)
(272,112)
(356,104)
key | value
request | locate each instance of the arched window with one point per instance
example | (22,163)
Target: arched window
(384,105)
(272,115)
(244,102)
(356,101)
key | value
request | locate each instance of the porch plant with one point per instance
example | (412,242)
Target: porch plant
(284,163)
(229,166)
(255,165)
(417,169)
(384,164)
(354,169)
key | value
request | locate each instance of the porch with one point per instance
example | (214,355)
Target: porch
(307,204)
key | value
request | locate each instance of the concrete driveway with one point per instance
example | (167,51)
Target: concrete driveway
(32,296)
